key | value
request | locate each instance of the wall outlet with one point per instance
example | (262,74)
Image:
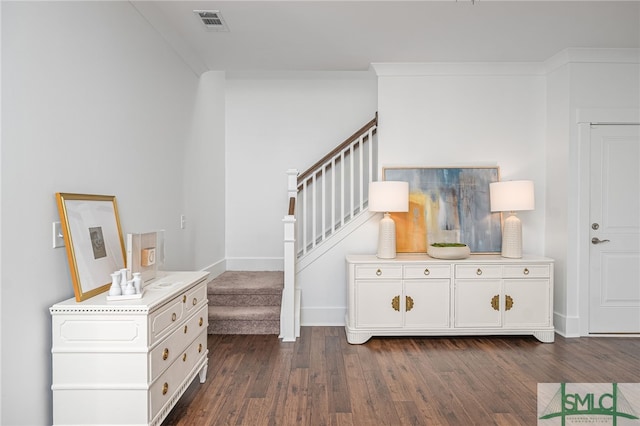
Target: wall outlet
(58,238)
(183,221)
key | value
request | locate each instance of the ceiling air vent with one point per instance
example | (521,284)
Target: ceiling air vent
(212,20)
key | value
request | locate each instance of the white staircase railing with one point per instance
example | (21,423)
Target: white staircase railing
(323,200)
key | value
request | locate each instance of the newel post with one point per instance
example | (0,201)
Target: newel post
(289,328)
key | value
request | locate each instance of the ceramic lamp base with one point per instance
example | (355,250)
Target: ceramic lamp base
(387,238)
(512,237)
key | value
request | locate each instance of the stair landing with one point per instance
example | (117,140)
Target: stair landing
(245,302)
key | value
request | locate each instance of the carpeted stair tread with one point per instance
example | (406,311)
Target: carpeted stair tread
(247,282)
(249,313)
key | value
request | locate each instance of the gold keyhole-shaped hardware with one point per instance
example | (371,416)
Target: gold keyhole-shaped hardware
(200,348)
(495,302)
(195,301)
(508,302)
(184,357)
(479,271)
(201,322)
(426,271)
(378,272)
(174,316)
(165,388)
(526,271)
(409,303)
(165,354)
(395,303)
(184,299)
(185,329)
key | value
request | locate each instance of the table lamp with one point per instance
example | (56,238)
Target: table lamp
(512,196)
(386,197)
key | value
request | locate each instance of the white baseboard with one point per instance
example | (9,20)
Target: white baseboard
(216,269)
(327,316)
(255,264)
(566,326)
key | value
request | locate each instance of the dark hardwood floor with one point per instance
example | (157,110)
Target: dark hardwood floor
(322,380)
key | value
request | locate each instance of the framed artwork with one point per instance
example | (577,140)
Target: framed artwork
(447,205)
(93,239)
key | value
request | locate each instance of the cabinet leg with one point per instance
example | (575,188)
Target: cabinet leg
(545,336)
(203,373)
(355,337)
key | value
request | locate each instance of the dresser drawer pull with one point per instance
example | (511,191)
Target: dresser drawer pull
(479,271)
(165,388)
(201,322)
(378,272)
(526,271)
(200,348)
(495,302)
(165,354)
(195,301)
(508,302)
(395,303)
(174,316)
(426,271)
(184,357)
(185,329)
(184,299)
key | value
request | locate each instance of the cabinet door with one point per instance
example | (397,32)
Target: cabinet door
(473,303)
(378,303)
(427,303)
(529,303)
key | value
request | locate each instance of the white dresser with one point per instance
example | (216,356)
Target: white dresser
(416,295)
(128,362)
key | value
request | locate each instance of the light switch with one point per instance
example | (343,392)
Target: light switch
(58,238)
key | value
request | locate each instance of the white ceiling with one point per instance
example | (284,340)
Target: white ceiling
(350,35)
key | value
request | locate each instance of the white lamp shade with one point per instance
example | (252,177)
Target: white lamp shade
(389,196)
(511,195)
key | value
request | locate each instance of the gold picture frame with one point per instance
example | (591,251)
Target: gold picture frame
(93,241)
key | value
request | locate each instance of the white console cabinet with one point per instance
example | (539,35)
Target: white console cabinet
(127,362)
(416,295)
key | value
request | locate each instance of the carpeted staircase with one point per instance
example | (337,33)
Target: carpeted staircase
(245,302)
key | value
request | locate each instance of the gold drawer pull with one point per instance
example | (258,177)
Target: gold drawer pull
(174,316)
(508,302)
(526,271)
(427,272)
(378,272)
(195,301)
(184,357)
(395,303)
(409,303)
(165,388)
(479,271)
(201,322)
(184,299)
(200,348)
(495,302)
(165,354)
(185,329)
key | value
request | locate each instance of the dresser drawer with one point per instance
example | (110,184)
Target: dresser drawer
(378,271)
(526,271)
(165,319)
(478,271)
(195,297)
(427,271)
(167,351)
(163,389)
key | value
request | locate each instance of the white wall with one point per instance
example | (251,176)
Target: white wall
(93,102)
(439,115)
(579,80)
(275,122)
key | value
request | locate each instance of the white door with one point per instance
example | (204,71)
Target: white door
(614,287)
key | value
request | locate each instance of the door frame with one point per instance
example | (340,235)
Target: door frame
(585,118)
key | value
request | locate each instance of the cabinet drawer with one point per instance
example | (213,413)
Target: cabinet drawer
(478,271)
(378,271)
(526,271)
(167,351)
(426,271)
(165,319)
(195,296)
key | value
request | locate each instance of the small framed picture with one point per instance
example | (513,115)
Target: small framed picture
(93,239)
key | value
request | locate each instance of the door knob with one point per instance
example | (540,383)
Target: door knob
(596,240)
